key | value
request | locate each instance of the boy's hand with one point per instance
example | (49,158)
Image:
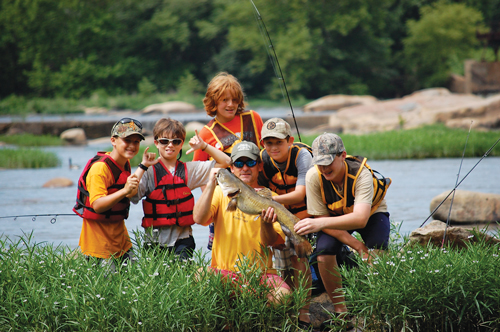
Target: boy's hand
(149,158)
(132,183)
(196,143)
(268,216)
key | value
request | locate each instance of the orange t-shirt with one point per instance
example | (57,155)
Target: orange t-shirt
(102,239)
(235,126)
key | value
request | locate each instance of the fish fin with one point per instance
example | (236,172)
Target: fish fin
(286,231)
(303,248)
(232,205)
(265,192)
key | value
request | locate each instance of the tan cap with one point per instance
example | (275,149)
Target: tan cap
(245,149)
(126,127)
(277,128)
(325,147)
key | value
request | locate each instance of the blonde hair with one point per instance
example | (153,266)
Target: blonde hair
(217,88)
(169,127)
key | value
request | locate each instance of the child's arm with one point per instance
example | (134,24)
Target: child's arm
(222,160)
(296,196)
(148,159)
(105,203)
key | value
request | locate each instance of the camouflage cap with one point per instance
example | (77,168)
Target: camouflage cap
(126,127)
(245,149)
(277,128)
(325,147)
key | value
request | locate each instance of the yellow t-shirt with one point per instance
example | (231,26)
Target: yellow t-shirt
(102,239)
(237,234)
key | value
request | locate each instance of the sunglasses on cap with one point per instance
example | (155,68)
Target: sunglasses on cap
(166,141)
(249,163)
(128,120)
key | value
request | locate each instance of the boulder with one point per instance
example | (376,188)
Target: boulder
(456,237)
(468,207)
(192,126)
(58,183)
(423,107)
(95,110)
(170,107)
(74,136)
(335,102)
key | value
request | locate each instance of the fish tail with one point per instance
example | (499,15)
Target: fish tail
(303,249)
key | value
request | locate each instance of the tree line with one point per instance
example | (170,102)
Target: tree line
(386,48)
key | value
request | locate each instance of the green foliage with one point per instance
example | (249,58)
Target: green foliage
(434,141)
(31,140)
(146,88)
(427,289)
(27,158)
(445,34)
(53,288)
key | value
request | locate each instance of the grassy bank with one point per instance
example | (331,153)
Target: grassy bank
(46,288)
(27,158)
(428,289)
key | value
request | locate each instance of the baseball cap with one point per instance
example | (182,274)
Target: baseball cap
(277,128)
(245,149)
(126,127)
(325,147)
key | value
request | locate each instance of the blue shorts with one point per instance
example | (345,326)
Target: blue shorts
(375,235)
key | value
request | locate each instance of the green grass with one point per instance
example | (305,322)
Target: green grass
(31,140)
(428,289)
(27,158)
(46,288)
(433,141)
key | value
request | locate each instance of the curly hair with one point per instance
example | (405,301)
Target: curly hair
(216,89)
(169,127)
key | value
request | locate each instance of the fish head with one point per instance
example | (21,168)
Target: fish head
(230,184)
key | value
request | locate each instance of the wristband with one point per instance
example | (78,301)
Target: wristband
(142,166)
(206,144)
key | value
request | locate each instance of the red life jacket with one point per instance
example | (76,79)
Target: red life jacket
(171,202)
(227,139)
(120,210)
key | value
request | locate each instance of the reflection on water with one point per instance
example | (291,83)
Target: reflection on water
(414,184)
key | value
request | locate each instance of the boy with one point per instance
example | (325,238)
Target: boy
(104,189)
(167,186)
(225,102)
(285,166)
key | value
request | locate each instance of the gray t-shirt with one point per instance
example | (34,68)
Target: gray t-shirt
(303,163)
(198,173)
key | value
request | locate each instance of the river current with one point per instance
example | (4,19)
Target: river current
(414,184)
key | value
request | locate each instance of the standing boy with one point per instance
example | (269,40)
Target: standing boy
(167,185)
(285,167)
(104,189)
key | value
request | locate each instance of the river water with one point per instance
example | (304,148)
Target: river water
(415,183)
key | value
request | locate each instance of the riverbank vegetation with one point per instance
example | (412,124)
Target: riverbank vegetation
(47,287)
(434,141)
(383,48)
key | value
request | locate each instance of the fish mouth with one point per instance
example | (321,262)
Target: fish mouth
(234,193)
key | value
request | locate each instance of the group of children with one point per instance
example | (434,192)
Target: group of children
(235,137)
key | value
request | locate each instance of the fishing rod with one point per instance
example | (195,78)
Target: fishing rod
(458,184)
(34,216)
(277,67)
(458,176)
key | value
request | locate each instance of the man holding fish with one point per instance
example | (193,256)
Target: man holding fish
(345,196)
(240,232)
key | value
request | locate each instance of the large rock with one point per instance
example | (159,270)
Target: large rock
(58,183)
(336,102)
(170,107)
(456,237)
(423,107)
(74,136)
(468,207)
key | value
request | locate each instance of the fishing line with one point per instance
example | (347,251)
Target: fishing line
(453,197)
(274,62)
(458,184)
(34,216)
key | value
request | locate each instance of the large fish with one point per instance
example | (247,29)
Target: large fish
(250,201)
